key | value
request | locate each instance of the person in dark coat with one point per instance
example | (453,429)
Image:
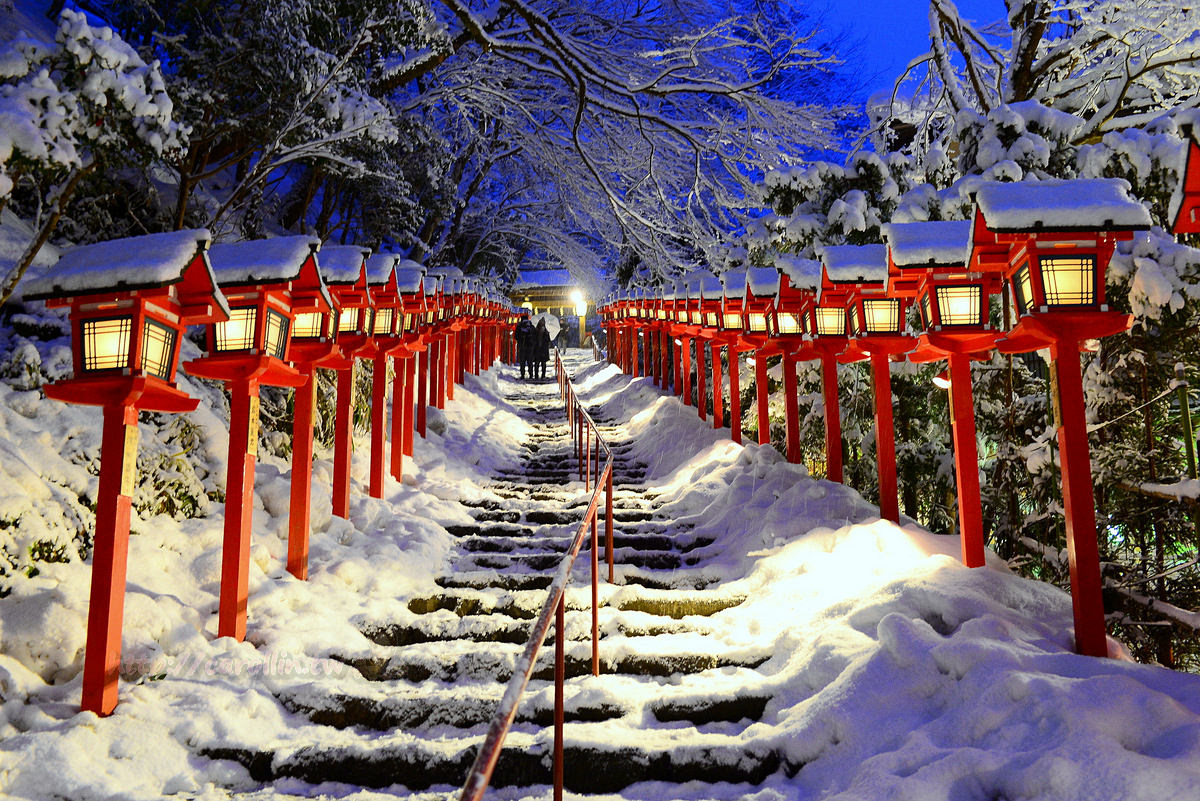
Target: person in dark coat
(541,348)
(524,335)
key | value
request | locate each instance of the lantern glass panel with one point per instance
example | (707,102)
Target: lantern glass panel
(788,323)
(732,321)
(662,314)
(277,334)
(1069,280)
(348,320)
(158,349)
(710,320)
(1023,288)
(697,317)
(309,325)
(831,321)
(106,343)
(429,316)
(882,316)
(681,317)
(383,322)
(757,321)
(926,313)
(238,332)
(960,305)
(408,322)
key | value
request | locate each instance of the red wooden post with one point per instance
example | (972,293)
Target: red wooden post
(110,555)
(833,418)
(791,405)
(760,389)
(647,354)
(664,357)
(677,366)
(634,355)
(410,421)
(450,374)
(560,675)
(717,401)
(966,460)
(685,367)
(399,421)
(608,522)
(343,441)
(1078,502)
(300,510)
(422,389)
(378,425)
(735,396)
(595,598)
(701,377)
(239,508)
(885,437)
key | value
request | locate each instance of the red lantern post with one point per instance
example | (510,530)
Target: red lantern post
(1184,210)
(129,301)
(788,329)
(246,352)
(762,284)
(1053,241)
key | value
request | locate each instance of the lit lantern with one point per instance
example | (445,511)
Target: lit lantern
(1052,241)
(129,300)
(695,332)
(788,327)
(709,307)
(758,301)
(876,321)
(733,292)
(387,332)
(927,260)
(410,283)
(246,352)
(344,269)
(1184,209)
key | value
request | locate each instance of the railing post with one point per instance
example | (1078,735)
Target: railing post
(608,520)
(560,675)
(595,599)
(587,482)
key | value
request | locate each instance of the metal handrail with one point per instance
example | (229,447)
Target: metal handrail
(583,428)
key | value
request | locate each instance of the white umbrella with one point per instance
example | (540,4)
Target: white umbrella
(552,324)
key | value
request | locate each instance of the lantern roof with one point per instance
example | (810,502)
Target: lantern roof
(940,243)
(380,267)
(409,279)
(1083,204)
(447,271)
(1183,213)
(855,264)
(734,282)
(254,261)
(132,263)
(801,273)
(695,283)
(762,282)
(343,264)
(711,287)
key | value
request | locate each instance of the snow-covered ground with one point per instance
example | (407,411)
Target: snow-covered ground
(894,672)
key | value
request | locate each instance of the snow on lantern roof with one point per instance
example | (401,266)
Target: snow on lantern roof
(941,243)
(261,260)
(852,264)
(408,279)
(380,266)
(763,281)
(1081,204)
(137,262)
(696,281)
(447,271)
(342,264)
(801,273)
(734,283)
(711,288)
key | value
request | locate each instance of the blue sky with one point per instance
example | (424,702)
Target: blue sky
(893,32)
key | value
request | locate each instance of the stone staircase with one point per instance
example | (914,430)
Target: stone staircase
(416,714)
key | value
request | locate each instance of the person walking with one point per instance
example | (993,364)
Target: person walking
(541,347)
(524,335)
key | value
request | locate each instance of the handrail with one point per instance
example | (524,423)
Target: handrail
(583,427)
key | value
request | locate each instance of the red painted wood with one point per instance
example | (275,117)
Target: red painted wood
(300,510)
(885,438)
(239,509)
(343,442)
(685,367)
(110,556)
(560,675)
(1079,502)
(735,396)
(791,405)
(760,389)
(717,401)
(378,425)
(701,379)
(423,372)
(833,418)
(966,459)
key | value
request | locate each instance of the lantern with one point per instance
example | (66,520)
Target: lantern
(1052,241)
(788,326)
(927,260)
(758,307)
(876,321)
(387,333)
(1184,209)
(129,300)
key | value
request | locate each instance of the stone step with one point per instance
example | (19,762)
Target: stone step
(496,628)
(647,560)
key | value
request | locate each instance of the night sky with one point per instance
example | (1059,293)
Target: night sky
(893,32)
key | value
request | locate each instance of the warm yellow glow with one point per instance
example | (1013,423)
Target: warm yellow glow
(882,316)
(710,320)
(831,321)
(697,317)
(576,297)
(581,308)
(383,322)
(106,343)
(1069,280)
(308,325)
(1023,288)
(788,323)
(960,305)
(408,322)
(662,314)
(681,317)
(238,332)
(527,305)
(733,321)
(158,349)
(277,334)
(348,320)
(758,322)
